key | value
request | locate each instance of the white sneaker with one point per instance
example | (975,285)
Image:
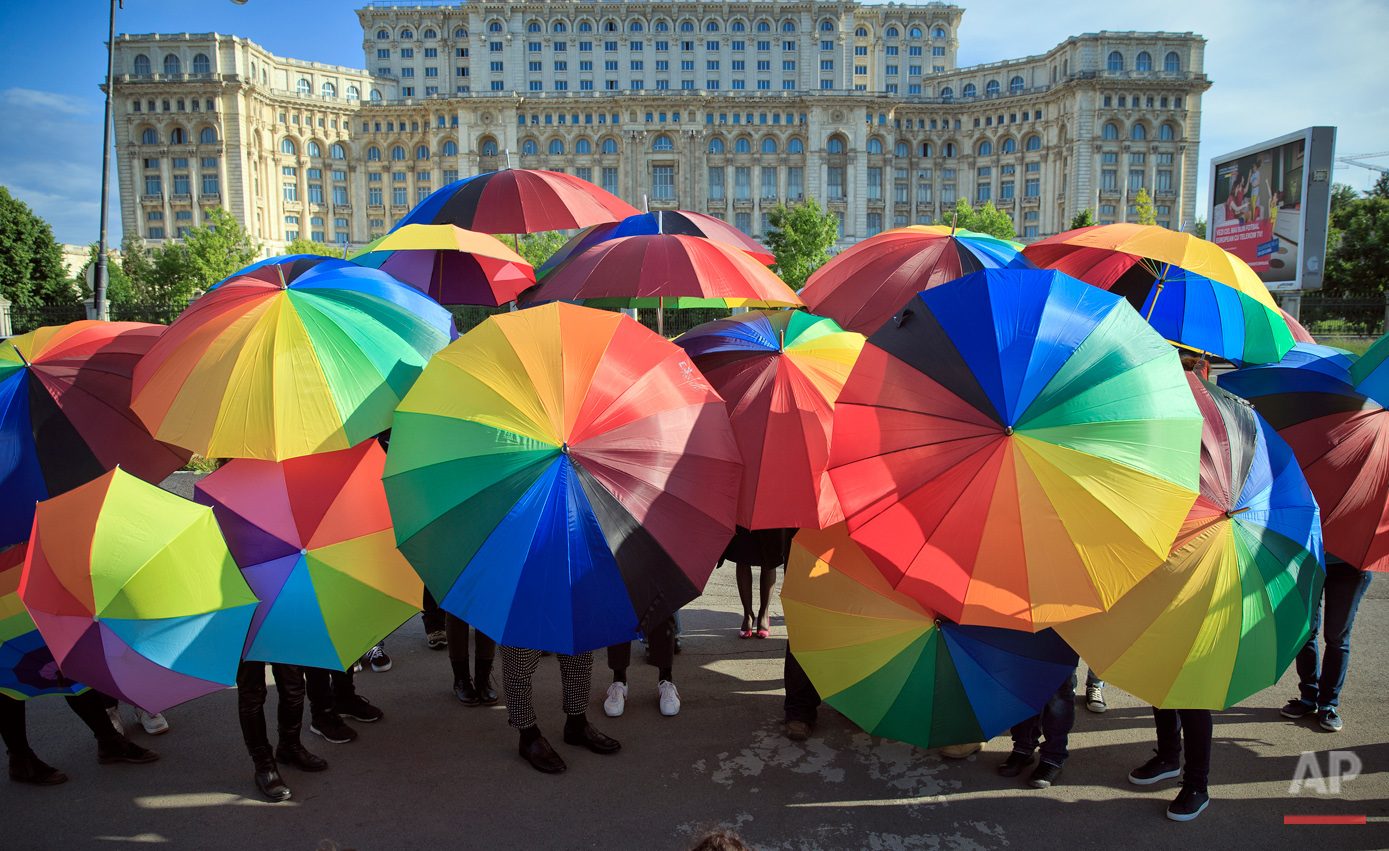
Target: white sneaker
(670,697)
(616,700)
(114,713)
(153,724)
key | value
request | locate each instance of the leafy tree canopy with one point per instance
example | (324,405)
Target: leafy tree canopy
(31,261)
(799,238)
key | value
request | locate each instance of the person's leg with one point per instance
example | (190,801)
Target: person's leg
(1198,728)
(802,701)
(1058,717)
(1345,588)
(324,719)
(433,621)
(1169,734)
(349,704)
(1026,735)
(576,678)
(743,572)
(25,765)
(12,727)
(518,666)
(456,630)
(1091,680)
(484,652)
(1308,664)
(661,641)
(764,611)
(289,687)
(111,744)
(619,658)
(250,705)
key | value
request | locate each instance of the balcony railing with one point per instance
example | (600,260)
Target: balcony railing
(156,198)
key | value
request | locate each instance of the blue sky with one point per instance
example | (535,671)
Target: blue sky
(1276,68)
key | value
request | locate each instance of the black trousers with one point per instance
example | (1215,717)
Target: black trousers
(1196,728)
(802,700)
(328,688)
(87,706)
(250,701)
(661,640)
(433,616)
(484,648)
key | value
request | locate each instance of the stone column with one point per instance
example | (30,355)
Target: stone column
(6,329)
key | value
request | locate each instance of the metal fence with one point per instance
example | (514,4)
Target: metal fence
(1343,317)
(26,319)
(157,314)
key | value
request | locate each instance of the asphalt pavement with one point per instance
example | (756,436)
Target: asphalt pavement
(435,774)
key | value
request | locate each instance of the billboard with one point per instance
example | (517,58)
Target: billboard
(1269,206)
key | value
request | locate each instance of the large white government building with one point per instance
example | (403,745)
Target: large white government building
(720,107)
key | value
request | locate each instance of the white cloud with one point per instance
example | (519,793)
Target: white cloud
(31,99)
(50,158)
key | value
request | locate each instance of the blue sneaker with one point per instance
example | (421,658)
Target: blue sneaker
(1297,708)
(1329,720)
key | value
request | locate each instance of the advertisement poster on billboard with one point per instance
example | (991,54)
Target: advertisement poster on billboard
(1261,210)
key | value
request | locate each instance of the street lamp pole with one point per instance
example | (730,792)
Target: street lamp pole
(99,296)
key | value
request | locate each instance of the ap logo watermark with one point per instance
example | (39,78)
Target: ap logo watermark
(1341,767)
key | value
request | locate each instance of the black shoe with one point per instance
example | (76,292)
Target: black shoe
(330,727)
(482,681)
(270,783)
(1329,719)
(1015,763)
(466,694)
(358,708)
(1297,708)
(1189,804)
(28,768)
(590,738)
(1045,775)
(299,757)
(111,749)
(541,756)
(1154,770)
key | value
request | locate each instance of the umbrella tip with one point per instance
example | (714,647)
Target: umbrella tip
(564,447)
(1008,430)
(303,551)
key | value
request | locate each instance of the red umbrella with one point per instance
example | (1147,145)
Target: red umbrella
(779,371)
(862,287)
(663,266)
(1300,334)
(519,200)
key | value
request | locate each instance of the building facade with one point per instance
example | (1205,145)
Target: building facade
(720,107)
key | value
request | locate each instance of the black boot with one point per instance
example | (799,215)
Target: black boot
(28,768)
(111,749)
(294,753)
(463,684)
(269,781)
(482,683)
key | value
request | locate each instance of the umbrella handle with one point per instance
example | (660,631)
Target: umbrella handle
(21,354)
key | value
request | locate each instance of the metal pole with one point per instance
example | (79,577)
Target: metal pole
(99,292)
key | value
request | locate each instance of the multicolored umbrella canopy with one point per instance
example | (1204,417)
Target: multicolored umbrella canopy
(135,593)
(863,286)
(27,668)
(667,266)
(896,668)
(285,268)
(313,538)
(779,371)
(1016,449)
(278,370)
(1102,254)
(562,477)
(65,415)
(661,221)
(1224,616)
(1370,372)
(450,264)
(519,200)
(1340,437)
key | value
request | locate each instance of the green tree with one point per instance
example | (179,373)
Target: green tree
(1359,263)
(986,219)
(214,250)
(1344,201)
(1198,227)
(173,278)
(536,248)
(118,287)
(308,246)
(138,267)
(800,238)
(1381,187)
(1143,208)
(1084,219)
(31,262)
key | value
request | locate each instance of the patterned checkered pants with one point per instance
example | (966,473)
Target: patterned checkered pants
(518,666)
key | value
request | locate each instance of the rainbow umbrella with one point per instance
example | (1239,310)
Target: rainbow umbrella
(277,370)
(561,477)
(284,267)
(135,593)
(865,284)
(661,221)
(896,668)
(65,415)
(1224,616)
(313,538)
(1016,449)
(27,668)
(1340,436)
(779,371)
(450,264)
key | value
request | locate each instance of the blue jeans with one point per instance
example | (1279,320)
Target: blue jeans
(1093,681)
(1345,586)
(1055,723)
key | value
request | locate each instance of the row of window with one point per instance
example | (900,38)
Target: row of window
(1139,132)
(408,34)
(178,136)
(135,105)
(1143,62)
(172,64)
